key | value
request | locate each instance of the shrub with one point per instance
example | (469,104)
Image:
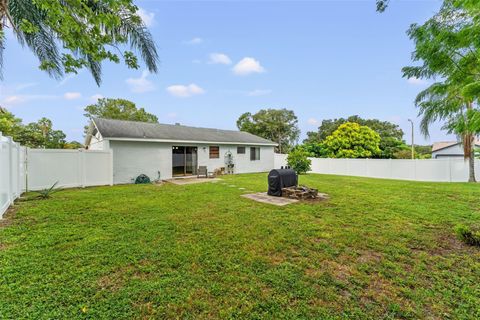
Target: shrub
(298,161)
(47,192)
(468,235)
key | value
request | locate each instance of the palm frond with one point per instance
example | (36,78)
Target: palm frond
(42,42)
(140,39)
(95,68)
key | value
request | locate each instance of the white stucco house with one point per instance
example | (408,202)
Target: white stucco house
(165,151)
(449,149)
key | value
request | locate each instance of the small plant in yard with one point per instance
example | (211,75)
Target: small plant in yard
(468,235)
(47,192)
(298,161)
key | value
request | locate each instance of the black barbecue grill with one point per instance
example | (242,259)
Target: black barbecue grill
(281,178)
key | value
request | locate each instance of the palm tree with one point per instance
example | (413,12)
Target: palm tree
(444,102)
(81,35)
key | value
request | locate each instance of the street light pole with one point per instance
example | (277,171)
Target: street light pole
(413,145)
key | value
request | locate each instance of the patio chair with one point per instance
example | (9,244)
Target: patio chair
(202,171)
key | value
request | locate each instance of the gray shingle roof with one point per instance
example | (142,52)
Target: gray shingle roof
(109,128)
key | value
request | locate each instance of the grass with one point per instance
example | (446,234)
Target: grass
(378,249)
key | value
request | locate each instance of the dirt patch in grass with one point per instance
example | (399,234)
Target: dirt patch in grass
(369,257)
(116,279)
(448,244)
(445,244)
(383,294)
(8,216)
(277,258)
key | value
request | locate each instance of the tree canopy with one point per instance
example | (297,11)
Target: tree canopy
(70,35)
(9,124)
(278,125)
(447,50)
(119,109)
(40,134)
(391,136)
(352,140)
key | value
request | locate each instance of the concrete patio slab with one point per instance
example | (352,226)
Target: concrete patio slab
(265,198)
(193,180)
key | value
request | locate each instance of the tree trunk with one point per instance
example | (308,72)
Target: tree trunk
(471,159)
(471,163)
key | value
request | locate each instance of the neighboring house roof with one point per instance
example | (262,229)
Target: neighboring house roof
(137,131)
(446,144)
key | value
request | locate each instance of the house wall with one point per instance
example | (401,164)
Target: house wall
(132,158)
(455,151)
(242,162)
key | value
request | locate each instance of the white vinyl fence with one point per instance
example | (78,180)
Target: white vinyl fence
(24,169)
(12,172)
(435,170)
(70,168)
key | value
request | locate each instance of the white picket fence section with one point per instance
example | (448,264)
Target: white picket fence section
(435,170)
(24,169)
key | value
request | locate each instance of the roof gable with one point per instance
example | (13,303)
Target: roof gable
(133,130)
(447,144)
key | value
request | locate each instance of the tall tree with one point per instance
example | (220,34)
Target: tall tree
(41,134)
(278,125)
(119,109)
(447,47)
(390,134)
(9,124)
(352,140)
(70,35)
(38,134)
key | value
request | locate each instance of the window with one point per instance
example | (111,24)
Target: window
(214,152)
(240,150)
(254,153)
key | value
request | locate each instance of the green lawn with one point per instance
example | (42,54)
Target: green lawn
(376,249)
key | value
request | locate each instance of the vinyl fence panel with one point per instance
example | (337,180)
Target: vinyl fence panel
(69,168)
(10,172)
(436,170)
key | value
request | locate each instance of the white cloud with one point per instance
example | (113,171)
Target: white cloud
(312,121)
(219,58)
(172,115)
(196,40)
(17,99)
(23,86)
(248,66)
(147,17)
(67,78)
(96,97)
(183,91)
(140,85)
(72,95)
(258,92)
(416,81)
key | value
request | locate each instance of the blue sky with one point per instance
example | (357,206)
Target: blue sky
(322,59)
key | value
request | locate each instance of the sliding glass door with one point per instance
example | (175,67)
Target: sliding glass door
(184,161)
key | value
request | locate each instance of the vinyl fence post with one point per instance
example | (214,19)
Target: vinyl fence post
(83,168)
(111,166)
(11,198)
(450,169)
